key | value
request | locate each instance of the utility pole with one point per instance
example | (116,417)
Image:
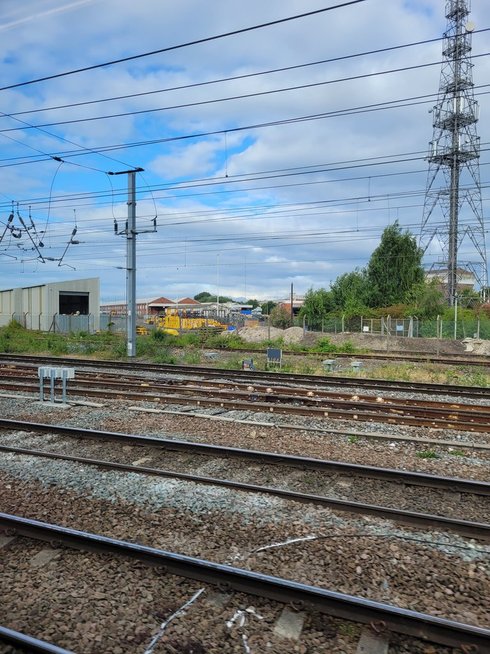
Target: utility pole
(453,182)
(130,232)
(131,266)
(292,310)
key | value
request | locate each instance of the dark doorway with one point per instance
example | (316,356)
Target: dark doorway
(72,302)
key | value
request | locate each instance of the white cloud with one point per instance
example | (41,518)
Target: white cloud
(269,224)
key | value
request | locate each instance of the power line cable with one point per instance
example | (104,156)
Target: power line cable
(231,78)
(392,104)
(207,39)
(242,96)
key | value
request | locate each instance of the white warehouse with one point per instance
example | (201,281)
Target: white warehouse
(59,306)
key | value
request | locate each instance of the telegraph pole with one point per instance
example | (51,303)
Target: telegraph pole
(453,152)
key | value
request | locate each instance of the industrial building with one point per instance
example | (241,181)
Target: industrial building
(51,307)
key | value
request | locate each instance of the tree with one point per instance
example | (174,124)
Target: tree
(280,317)
(207,297)
(394,267)
(203,297)
(316,305)
(426,299)
(268,306)
(350,292)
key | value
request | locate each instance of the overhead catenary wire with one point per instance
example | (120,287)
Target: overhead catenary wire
(392,104)
(187,44)
(242,96)
(220,182)
(235,77)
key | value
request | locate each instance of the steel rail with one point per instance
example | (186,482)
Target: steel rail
(325,431)
(426,627)
(414,519)
(388,474)
(457,414)
(475,422)
(29,643)
(299,379)
(455,484)
(308,463)
(419,357)
(393,355)
(271,393)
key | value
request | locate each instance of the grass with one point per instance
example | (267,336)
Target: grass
(457,453)
(428,454)
(160,347)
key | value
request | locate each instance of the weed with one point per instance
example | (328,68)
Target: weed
(349,629)
(428,454)
(192,358)
(458,453)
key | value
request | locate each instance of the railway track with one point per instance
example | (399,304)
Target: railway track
(412,518)
(250,377)
(276,392)
(279,399)
(228,578)
(26,643)
(392,355)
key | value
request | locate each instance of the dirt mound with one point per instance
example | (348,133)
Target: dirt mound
(293,335)
(257,334)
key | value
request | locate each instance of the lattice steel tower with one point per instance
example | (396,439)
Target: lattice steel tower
(453,182)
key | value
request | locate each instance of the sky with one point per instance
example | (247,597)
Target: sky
(271,156)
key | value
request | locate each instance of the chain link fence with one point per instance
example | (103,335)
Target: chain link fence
(385,326)
(402,327)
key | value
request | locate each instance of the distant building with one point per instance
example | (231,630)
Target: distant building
(466,280)
(41,307)
(298,301)
(150,307)
(186,304)
(121,308)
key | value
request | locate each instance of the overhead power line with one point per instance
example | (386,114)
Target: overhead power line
(391,104)
(232,78)
(171,48)
(242,96)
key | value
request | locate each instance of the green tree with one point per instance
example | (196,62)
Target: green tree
(350,293)
(469,298)
(425,299)
(207,297)
(316,305)
(280,317)
(204,297)
(267,307)
(394,267)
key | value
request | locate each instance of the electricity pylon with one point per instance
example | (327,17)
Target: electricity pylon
(453,181)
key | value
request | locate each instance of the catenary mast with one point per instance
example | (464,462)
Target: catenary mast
(453,182)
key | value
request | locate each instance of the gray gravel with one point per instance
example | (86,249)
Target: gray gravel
(360,555)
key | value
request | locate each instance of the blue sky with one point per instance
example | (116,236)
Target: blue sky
(259,200)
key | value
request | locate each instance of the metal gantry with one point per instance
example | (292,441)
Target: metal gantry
(453,183)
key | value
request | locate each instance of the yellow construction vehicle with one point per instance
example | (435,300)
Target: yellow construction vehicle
(176,321)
